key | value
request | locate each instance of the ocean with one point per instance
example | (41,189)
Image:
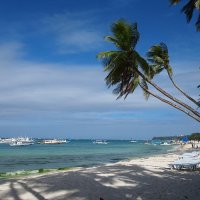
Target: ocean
(77,153)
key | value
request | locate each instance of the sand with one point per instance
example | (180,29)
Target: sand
(140,179)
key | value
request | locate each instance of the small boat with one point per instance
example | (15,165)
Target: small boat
(54,141)
(7,140)
(165,144)
(133,141)
(19,143)
(100,142)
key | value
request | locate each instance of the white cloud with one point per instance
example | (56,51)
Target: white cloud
(56,91)
(47,95)
(74,32)
(11,51)
(34,87)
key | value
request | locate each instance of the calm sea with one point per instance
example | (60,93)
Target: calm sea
(74,154)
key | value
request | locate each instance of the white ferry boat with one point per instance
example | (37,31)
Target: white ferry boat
(54,141)
(21,141)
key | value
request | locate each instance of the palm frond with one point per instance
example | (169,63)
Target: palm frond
(132,86)
(169,69)
(158,56)
(136,35)
(197,4)
(174,2)
(145,93)
(125,35)
(121,64)
(198,23)
(111,39)
(142,63)
(188,9)
(155,69)
(106,54)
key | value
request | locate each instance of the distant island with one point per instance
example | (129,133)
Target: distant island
(193,136)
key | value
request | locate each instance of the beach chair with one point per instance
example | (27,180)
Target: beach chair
(188,163)
(190,155)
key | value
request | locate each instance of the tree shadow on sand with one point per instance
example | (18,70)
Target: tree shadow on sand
(114,182)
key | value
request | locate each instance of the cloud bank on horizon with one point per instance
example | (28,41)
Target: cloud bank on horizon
(52,84)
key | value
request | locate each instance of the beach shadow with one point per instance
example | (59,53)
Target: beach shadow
(114,183)
(30,190)
(14,191)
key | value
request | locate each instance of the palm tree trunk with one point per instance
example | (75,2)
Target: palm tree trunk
(168,95)
(178,88)
(170,103)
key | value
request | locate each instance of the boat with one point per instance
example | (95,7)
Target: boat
(133,141)
(165,144)
(100,142)
(19,143)
(7,140)
(54,141)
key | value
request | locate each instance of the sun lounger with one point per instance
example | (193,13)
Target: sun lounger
(190,155)
(189,163)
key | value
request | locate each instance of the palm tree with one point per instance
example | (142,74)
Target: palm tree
(127,69)
(159,57)
(119,63)
(189,9)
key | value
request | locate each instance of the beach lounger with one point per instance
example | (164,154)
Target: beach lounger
(190,155)
(188,163)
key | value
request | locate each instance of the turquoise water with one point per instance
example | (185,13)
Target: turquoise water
(74,154)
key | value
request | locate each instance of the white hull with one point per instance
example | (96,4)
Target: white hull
(55,141)
(20,144)
(100,142)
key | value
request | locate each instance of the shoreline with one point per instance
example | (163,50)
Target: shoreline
(43,171)
(140,179)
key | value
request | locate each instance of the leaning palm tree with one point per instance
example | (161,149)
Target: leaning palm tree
(159,58)
(189,9)
(122,64)
(127,69)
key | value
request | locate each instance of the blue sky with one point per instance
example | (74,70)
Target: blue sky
(52,85)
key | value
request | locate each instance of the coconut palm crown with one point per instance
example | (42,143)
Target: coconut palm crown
(123,63)
(159,58)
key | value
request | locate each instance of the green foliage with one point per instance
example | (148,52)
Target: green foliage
(144,85)
(158,56)
(64,168)
(188,9)
(170,137)
(44,170)
(195,136)
(122,64)
(125,36)
(41,170)
(126,69)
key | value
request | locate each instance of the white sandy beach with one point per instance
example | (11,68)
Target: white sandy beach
(140,179)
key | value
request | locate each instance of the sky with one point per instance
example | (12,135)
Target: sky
(52,85)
